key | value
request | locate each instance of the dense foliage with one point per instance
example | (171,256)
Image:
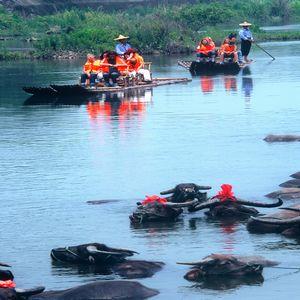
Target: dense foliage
(164,28)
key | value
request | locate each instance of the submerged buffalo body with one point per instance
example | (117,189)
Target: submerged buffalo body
(106,260)
(219,265)
(101,290)
(285,221)
(272,138)
(292,183)
(231,208)
(285,194)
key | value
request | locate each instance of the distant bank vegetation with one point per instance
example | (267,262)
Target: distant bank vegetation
(164,29)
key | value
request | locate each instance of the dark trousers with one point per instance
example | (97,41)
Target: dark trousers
(84,78)
(245,47)
(111,75)
(209,54)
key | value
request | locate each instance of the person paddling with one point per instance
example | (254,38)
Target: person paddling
(246,40)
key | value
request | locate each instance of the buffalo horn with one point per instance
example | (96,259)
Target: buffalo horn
(277,222)
(168,192)
(203,187)
(4,265)
(259,204)
(290,208)
(94,250)
(207,204)
(183,204)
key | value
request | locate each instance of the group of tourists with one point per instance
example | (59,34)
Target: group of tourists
(110,65)
(127,62)
(207,50)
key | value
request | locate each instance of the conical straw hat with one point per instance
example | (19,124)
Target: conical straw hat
(121,37)
(245,24)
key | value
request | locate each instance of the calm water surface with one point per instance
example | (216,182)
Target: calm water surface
(209,131)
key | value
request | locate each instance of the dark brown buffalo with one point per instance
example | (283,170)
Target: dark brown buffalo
(186,192)
(285,221)
(285,194)
(159,212)
(5,274)
(113,290)
(220,266)
(292,183)
(106,260)
(296,175)
(229,208)
(272,138)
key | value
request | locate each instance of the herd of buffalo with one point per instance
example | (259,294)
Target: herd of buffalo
(210,270)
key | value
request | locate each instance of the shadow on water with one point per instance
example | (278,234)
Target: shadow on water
(222,283)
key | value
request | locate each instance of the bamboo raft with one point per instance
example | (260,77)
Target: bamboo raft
(75,90)
(210,68)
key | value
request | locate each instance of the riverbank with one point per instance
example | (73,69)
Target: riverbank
(167,29)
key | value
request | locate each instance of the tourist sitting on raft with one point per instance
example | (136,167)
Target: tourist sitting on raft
(90,70)
(113,66)
(229,49)
(206,50)
(135,64)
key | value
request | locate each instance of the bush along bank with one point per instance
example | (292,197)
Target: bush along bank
(163,29)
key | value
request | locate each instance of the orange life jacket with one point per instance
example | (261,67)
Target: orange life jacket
(88,67)
(206,48)
(122,66)
(137,65)
(229,48)
(96,67)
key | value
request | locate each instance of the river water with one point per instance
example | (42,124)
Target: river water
(210,131)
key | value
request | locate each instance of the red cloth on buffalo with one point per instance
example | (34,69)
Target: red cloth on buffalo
(154,198)
(226,193)
(7,284)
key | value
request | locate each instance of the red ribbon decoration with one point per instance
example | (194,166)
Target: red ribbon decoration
(154,198)
(226,193)
(7,284)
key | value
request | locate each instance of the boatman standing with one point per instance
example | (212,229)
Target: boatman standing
(246,40)
(122,45)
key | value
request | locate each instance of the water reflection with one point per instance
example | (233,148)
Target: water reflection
(247,83)
(121,105)
(229,83)
(222,283)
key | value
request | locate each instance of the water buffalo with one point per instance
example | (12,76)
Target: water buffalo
(296,175)
(101,290)
(285,194)
(159,211)
(219,266)
(19,294)
(106,260)
(185,192)
(5,274)
(231,208)
(292,183)
(92,253)
(285,221)
(96,290)
(271,138)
